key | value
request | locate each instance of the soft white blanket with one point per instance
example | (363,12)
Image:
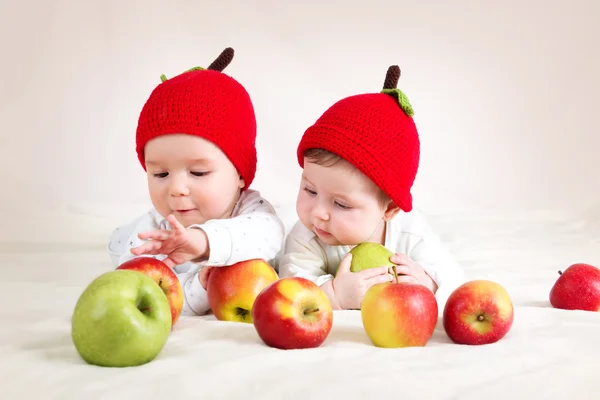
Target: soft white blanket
(548,353)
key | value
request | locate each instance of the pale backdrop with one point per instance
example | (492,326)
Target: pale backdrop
(505,95)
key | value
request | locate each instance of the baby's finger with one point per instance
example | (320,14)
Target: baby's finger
(155,235)
(344,266)
(401,259)
(378,279)
(177,227)
(150,247)
(371,272)
(203,275)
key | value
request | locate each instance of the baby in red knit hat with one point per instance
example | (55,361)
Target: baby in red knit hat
(359,161)
(196,141)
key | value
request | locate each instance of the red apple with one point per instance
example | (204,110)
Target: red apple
(578,288)
(399,314)
(292,313)
(164,276)
(232,289)
(478,312)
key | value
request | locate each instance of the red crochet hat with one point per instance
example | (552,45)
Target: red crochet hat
(205,103)
(376,133)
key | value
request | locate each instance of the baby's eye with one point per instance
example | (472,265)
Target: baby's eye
(199,173)
(343,207)
(161,175)
(311,192)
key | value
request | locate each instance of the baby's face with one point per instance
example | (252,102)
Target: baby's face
(340,205)
(191,178)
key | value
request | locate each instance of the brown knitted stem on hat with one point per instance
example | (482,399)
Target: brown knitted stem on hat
(390,88)
(222,61)
(392,77)
(218,65)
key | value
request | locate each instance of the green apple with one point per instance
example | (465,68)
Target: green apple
(121,319)
(370,255)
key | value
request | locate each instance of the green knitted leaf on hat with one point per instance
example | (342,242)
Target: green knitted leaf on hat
(164,78)
(401,99)
(218,65)
(390,88)
(195,69)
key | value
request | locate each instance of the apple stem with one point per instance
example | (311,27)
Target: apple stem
(480,317)
(560,272)
(160,282)
(395,273)
(314,310)
(242,312)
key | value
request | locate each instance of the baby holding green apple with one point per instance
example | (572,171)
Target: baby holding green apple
(359,160)
(195,139)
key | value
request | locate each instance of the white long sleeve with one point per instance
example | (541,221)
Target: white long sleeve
(408,233)
(253,231)
(304,255)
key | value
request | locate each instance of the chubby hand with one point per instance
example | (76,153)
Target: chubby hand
(411,271)
(180,244)
(350,287)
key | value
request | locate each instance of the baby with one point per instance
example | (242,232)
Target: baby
(359,162)
(196,141)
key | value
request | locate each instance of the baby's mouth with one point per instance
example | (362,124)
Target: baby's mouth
(185,211)
(322,232)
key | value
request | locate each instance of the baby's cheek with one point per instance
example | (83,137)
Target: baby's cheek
(210,203)
(303,211)
(354,228)
(214,202)
(347,229)
(159,201)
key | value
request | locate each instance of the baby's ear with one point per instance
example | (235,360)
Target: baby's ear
(242,183)
(391,209)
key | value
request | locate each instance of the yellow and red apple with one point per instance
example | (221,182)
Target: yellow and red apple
(399,314)
(577,288)
(478,312)
(231,290)
(164,276)
(292,313)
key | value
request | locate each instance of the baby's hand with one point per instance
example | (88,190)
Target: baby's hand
(411,271)
(350,287)
(203,276)
(180,244)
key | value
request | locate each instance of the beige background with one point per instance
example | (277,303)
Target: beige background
(505,95)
